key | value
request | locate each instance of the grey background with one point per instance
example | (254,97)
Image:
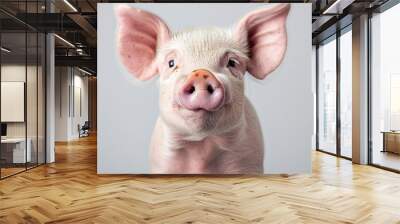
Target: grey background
(127,109)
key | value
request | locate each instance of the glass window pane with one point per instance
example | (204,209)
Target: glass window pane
(41,98)
(386,89)
(346,94)
(32,95)
(14,153)
(327,97)
(22,89)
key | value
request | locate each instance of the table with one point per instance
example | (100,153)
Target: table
(391,141)
(15,148)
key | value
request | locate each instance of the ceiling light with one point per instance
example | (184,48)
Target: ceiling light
(329,9)
(70,5)
(84,71)
(5,50)
(80,51)
(337,7)
(64,40)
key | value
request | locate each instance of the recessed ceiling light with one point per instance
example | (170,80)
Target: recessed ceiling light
(64,40)
(84,71)
(70,5)
(337,7)
(5,50)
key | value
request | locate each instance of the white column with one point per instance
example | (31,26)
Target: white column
(50,92)
(360,90)
(50,100)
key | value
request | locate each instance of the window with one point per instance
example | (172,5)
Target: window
(394,101)
(385,89)
(22,101)
(327,96)
(346,93)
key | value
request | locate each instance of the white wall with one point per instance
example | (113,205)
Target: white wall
(62,81)
(12,101)
(79,117)
(69,82)
(16,72)
(10,73)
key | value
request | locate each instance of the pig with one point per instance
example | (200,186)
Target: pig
(206,124)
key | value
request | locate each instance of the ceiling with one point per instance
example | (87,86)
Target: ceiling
(75,22)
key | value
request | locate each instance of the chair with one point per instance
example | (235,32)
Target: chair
(84,130)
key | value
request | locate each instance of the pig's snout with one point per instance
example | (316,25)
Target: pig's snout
(201,90)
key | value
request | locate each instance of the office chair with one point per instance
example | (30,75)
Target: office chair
(84,130)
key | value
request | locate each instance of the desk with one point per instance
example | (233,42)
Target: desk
(15,148)
(391,141)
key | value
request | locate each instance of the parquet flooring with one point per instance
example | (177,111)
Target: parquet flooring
(10,171)
(70,191)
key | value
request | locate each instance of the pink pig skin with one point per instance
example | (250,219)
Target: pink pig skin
(206,123)
(238,151)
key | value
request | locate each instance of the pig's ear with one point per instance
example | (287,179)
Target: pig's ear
(264,32)
(140,34)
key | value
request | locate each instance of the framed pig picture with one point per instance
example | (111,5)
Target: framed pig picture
(195,88)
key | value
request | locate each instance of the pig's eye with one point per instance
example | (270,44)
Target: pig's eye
(171,63)
(231,63)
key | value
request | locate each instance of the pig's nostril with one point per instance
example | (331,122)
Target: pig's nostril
(201,91)
(210,89)
(190,90)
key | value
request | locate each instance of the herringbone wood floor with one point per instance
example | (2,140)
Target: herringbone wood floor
(70,191)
